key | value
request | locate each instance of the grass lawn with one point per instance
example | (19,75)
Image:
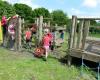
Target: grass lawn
(23,66)
(95,35)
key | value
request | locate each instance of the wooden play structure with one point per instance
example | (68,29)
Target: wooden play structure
(78,41)
(20,25)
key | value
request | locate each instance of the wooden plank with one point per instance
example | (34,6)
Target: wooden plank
(23,25)
(89,18)
(75,36)
(72,31)
(37,34)
(48,23)
(69,60)
(94,42)
(40,28)
(85,32)
(16,35)
(87,55)
(80,33)
(19,33)
(47,18)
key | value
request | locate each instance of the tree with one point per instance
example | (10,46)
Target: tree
(93,22)
(24,11)
(59,17)
(6,9)
(41,11)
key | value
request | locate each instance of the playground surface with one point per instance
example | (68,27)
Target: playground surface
(93,45)
(24,66)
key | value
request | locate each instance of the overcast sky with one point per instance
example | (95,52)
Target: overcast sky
(71,7)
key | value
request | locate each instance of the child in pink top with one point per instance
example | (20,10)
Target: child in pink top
(46,44)
(28,35)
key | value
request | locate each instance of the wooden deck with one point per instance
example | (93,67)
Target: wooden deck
(86,55)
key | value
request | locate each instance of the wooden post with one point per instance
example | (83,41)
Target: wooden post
(80,33)
(37,24)
(73,28)
(37,32)
(69,60)
(45,24)
(19,33)
(23,25)
(56,25)
(72,31)
(85,33)
(40,28)
(16,35)
(35,21)
(48,23)
(75,35)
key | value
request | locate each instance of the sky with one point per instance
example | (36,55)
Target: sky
(70,7)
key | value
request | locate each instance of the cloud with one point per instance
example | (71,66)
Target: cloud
(27,2)
(91,3)
(50,10)
(11,1)
(76,11)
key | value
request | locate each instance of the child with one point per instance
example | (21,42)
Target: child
(28,36)
(4,26)
(46,44)
(53,40)
(11,32)
(62,35)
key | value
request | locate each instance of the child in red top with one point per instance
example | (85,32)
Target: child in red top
(46,44)
(28,36)
(4,27)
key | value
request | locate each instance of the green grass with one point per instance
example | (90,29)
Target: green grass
(95,35)
(23,66)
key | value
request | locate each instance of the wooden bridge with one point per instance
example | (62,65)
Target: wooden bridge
(80,45)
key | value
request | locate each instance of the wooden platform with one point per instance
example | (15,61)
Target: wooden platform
(86,55)
(93,40)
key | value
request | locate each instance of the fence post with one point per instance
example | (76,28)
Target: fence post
(72,32)
(71,39)
(48,23)
(85,32)
(80,33)
(19,33)
(37,32)
(75,36)
(40,28)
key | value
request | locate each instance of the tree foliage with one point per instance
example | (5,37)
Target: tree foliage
(6,9)
(59,17)
(93,22)
(41,11)
(24,11)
